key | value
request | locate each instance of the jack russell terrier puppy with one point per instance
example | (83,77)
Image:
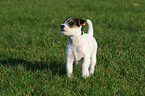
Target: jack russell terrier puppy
(80,45)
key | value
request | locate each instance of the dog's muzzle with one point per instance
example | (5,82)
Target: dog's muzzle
(62,28)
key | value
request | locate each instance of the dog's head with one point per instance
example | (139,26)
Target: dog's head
(72,26)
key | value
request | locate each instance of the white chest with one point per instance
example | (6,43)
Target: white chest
(77,54)
(76,48)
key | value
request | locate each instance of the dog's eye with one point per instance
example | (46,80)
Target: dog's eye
(71,23)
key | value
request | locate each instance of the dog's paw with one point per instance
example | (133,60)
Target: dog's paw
(92,71)
(69,75)
(85,75)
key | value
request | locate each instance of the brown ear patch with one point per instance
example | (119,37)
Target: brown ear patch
(81,22)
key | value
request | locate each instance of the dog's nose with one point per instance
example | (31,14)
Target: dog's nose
(62,27)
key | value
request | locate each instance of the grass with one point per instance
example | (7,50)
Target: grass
(32,50)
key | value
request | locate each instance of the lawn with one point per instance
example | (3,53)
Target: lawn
(32,50)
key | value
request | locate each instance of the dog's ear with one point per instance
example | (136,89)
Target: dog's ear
(81,22)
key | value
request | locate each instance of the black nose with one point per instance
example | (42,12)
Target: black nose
(62,27)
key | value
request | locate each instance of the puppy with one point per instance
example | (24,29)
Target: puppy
(80,45)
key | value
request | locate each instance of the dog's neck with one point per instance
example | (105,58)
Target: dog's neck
(75,39)
(78,35)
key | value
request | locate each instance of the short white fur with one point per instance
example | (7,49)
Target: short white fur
(80,46)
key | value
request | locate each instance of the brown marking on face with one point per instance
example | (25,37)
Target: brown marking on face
(71,20)
(75,22)
(79,21)
(72,24)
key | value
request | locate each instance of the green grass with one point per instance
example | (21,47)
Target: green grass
(32,50)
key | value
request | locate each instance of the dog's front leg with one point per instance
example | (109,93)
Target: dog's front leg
(85,66)
(69,66)
(69,61)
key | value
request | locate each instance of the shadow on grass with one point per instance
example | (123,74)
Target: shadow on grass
(55,67)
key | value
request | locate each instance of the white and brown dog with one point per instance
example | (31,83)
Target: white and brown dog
(80,45)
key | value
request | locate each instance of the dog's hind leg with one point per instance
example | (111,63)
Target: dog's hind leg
(93,63)
(85,66)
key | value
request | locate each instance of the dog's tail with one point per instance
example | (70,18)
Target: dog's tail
(90,27)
